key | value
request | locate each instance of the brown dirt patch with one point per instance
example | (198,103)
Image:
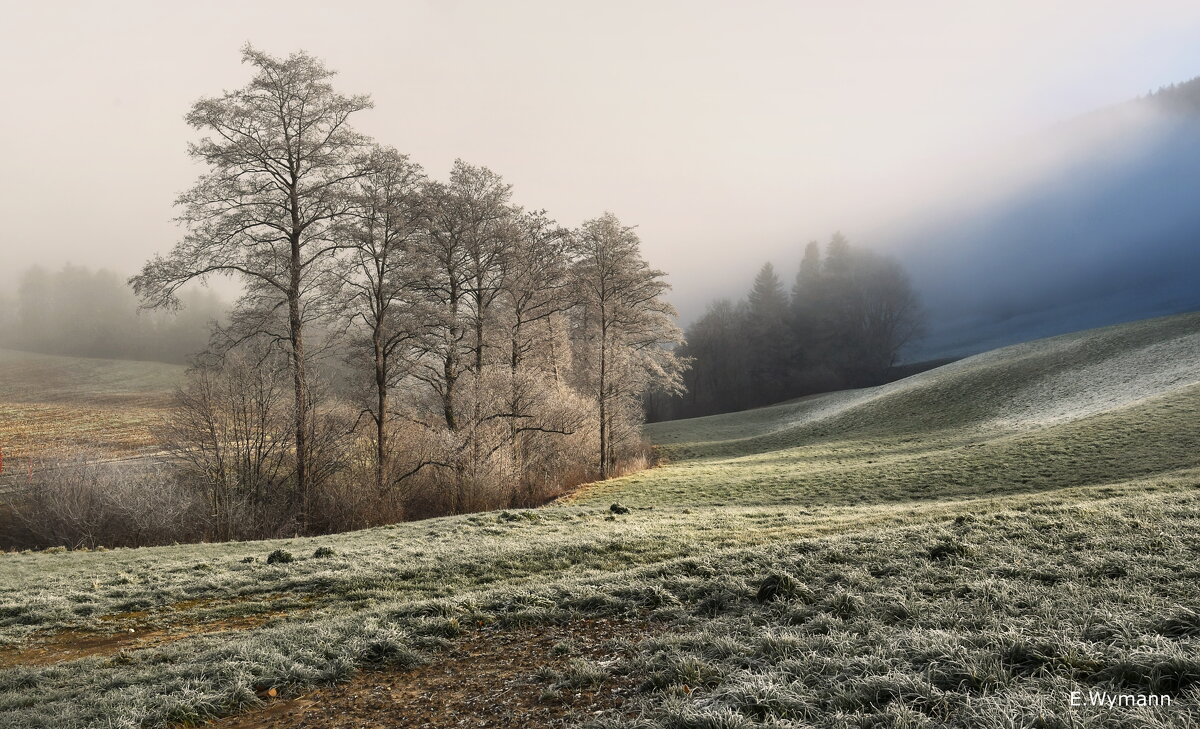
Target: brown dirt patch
(71,645)
(486,681)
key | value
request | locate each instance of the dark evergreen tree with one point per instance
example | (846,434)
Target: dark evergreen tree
(804,317)
(767,326)
(719,380)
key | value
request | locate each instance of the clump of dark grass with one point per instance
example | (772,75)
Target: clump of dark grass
(1184,623)
(779,586)
(949,549)
(280,556)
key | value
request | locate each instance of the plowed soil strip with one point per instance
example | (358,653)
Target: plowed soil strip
(488,680)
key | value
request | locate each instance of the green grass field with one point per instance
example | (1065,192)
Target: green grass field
(966,548)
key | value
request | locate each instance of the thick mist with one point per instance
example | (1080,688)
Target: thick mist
(1104,234)
(1089,222)
(728,134)
(81,312)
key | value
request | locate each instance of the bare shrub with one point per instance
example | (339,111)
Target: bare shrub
(229,436)
(82,502)
(638,457)
(347,502)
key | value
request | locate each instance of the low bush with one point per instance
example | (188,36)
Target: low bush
(83,502)
(280,556)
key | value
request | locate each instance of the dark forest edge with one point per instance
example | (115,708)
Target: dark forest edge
(849,316)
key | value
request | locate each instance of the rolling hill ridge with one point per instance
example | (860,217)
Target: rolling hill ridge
(1105,404)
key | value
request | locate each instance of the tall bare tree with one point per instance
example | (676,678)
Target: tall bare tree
(490,233)
(282,159)
(625,324)
(389,219)
(443,273)
(535,296)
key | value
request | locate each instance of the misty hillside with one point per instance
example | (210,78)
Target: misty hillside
(1107,233)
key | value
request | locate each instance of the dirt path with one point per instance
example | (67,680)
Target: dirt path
(488,680)
(130,632)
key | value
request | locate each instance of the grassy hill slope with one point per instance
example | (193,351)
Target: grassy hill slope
(962,548)
(1108,404)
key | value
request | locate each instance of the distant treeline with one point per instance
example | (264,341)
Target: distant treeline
(849,313)
(1180,97)
(79,312)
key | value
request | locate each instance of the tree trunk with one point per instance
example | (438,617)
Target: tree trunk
(450,363)
(477,406)
(603,397)
(300,381)
(514,397)
(381,406)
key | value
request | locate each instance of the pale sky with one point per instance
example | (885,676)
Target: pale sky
(728,132)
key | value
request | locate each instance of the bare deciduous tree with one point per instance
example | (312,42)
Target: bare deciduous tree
(535,295)
(281,160)
(459,269)
(389,219)
(625,325)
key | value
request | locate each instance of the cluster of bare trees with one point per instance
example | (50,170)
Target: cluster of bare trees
(404,346)
(849,315)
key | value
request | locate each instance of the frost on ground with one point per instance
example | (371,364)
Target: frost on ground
(1115,382)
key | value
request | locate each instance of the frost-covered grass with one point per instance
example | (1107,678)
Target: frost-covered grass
(943,621)
(877,566)
(990,621)
(1153,436)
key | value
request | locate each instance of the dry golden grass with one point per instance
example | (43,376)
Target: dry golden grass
(53,405)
